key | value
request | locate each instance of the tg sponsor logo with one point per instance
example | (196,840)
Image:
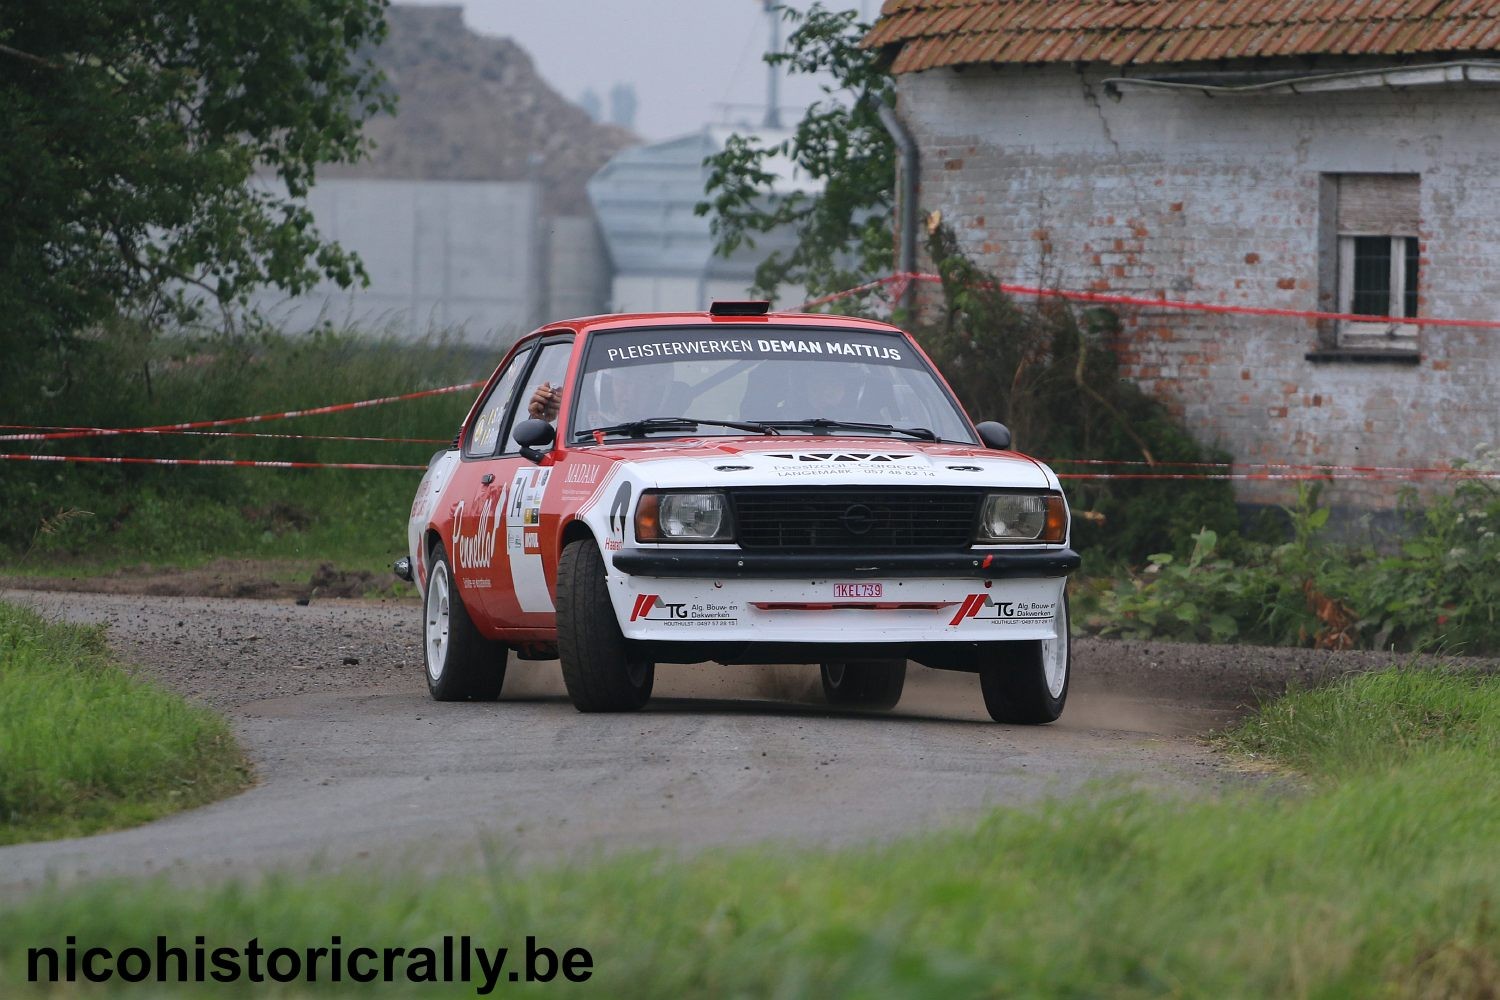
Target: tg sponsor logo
(984,608)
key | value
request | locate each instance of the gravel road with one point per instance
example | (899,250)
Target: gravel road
(353,760)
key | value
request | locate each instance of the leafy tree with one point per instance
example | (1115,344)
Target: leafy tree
(133,131)
(844,232)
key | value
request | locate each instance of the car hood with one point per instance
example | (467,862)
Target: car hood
(819,460)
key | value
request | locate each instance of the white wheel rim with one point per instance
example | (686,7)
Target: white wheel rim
(436,621)
(1055,655)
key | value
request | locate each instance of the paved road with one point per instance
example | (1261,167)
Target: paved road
(354,760)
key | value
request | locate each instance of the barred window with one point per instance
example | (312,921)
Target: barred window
(1378,259)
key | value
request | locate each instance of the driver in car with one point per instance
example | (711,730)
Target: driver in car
(545,401)
(621,397)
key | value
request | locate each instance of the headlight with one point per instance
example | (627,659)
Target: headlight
(683,517)
(1023,517)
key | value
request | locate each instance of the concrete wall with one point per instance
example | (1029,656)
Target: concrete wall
(578,271)
(473,258)
(675,293)
(656,293)
(1048,180)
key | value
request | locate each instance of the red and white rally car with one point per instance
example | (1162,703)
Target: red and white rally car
(742,487)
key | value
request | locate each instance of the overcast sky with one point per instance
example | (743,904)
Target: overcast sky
(688,59)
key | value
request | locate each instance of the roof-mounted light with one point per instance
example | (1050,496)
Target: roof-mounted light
(743,307)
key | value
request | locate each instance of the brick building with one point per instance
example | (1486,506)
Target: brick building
(1337,157)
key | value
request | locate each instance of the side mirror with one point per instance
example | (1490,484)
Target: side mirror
(994,435)
(531,435)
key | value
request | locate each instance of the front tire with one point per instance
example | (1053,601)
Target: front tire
(599,668)
(462,665)
(863,683)
(1026,683)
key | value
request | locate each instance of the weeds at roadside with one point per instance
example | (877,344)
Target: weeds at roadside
(1438,592)
(52,525)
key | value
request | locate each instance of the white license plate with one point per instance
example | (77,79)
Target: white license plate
(859,590)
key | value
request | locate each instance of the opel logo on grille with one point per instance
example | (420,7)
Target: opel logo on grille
(857,519)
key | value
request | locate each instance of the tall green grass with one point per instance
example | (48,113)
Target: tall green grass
(85,746)
(1380,880)
(1375,722)
(65,515)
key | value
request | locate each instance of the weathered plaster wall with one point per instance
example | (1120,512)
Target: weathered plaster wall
(1049,180)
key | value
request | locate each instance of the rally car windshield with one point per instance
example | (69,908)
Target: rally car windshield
(663,382)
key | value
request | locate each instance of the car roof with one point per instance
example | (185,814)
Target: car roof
(621,321)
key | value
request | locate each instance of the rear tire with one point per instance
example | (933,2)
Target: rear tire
(598,666)
(863,683)
(462,665)
(1026,683)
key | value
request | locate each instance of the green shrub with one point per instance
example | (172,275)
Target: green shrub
(1442,588)
(1055,382)
(1438,590)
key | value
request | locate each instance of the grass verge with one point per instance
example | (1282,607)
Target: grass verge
(72,519)
(86,747)
(1381,879)
(259,578)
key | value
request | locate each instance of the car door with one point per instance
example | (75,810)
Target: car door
(520,595)
(475,543)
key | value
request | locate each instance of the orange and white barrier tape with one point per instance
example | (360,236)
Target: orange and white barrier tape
(1281,469)
(1265,476)
(231,421)
(1309,473)
(1270,471)
(235,463)
(95,431)
(1162,302)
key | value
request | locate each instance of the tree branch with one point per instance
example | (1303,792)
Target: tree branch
(1114,411)
(6,50)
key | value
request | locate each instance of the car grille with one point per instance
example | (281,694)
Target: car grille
(867,519)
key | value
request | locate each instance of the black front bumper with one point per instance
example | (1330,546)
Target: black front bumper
(721,564)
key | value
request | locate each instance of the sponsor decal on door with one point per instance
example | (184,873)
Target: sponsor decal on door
(477,549)
(523,540)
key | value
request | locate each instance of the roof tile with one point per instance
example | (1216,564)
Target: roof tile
(932,33)
(1473,32)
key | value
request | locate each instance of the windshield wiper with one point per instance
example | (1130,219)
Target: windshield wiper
(824,423)
(640,428)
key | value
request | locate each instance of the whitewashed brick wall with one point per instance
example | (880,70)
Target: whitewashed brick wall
(1048,180)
